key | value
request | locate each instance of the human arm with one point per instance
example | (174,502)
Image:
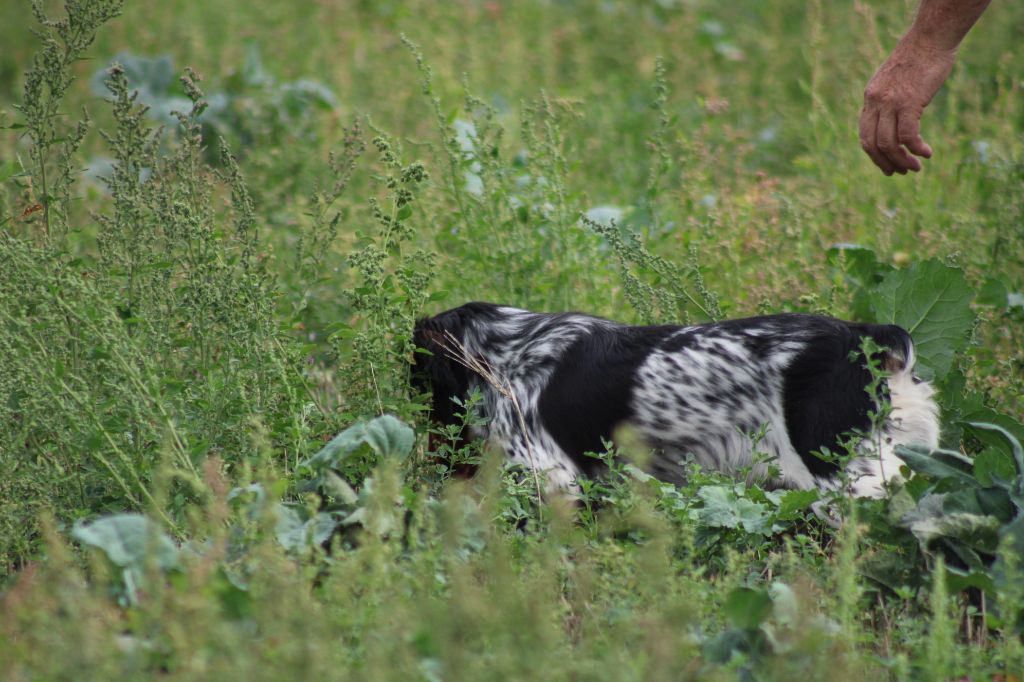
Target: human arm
(903,86)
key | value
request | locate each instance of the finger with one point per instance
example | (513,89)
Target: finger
(886,139)
(908,126)
(868,137)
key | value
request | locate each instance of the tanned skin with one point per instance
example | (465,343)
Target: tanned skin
(895,97)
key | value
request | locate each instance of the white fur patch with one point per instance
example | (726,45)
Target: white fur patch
(914,420)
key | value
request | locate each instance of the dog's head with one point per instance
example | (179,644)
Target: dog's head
(439,341)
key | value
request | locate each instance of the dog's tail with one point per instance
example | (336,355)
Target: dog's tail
(913,420)
(915,413)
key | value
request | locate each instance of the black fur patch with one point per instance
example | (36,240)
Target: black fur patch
(588,395)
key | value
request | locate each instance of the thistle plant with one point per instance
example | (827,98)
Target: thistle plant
(670,299)
(314,243)
(389,291)
(53,143)
(154,351)
(127,235)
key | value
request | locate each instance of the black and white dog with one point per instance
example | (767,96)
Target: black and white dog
(554,385)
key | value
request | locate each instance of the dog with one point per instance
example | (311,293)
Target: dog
(730,395)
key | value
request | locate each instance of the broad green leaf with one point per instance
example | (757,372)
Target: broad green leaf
(385,435)
(891,569)
(958,580)
(996,501)
(296,533)
(339,488)
(746,608)
(992,464)
(979,421)
(989,501)
(254,489)
(721,648)
(858,263)
(128,540)
(933,302)
(931,521)
(899,504)
(861,271)
(795,501)
(235,598)
(965,556)
(719,506)
(723,508)
(1016,449)
(938,464)
(754,517)
(1011,541)
(785,605)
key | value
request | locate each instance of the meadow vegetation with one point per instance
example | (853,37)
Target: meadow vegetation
(219,222)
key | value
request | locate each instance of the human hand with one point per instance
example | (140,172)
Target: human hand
(895,97)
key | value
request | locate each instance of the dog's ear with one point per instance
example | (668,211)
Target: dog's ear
(896,352)
(434,369)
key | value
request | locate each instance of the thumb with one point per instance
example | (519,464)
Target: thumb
(908,132)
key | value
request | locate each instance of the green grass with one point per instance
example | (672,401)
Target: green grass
(179,340)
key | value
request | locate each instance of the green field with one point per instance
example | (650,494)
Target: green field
(203,284)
